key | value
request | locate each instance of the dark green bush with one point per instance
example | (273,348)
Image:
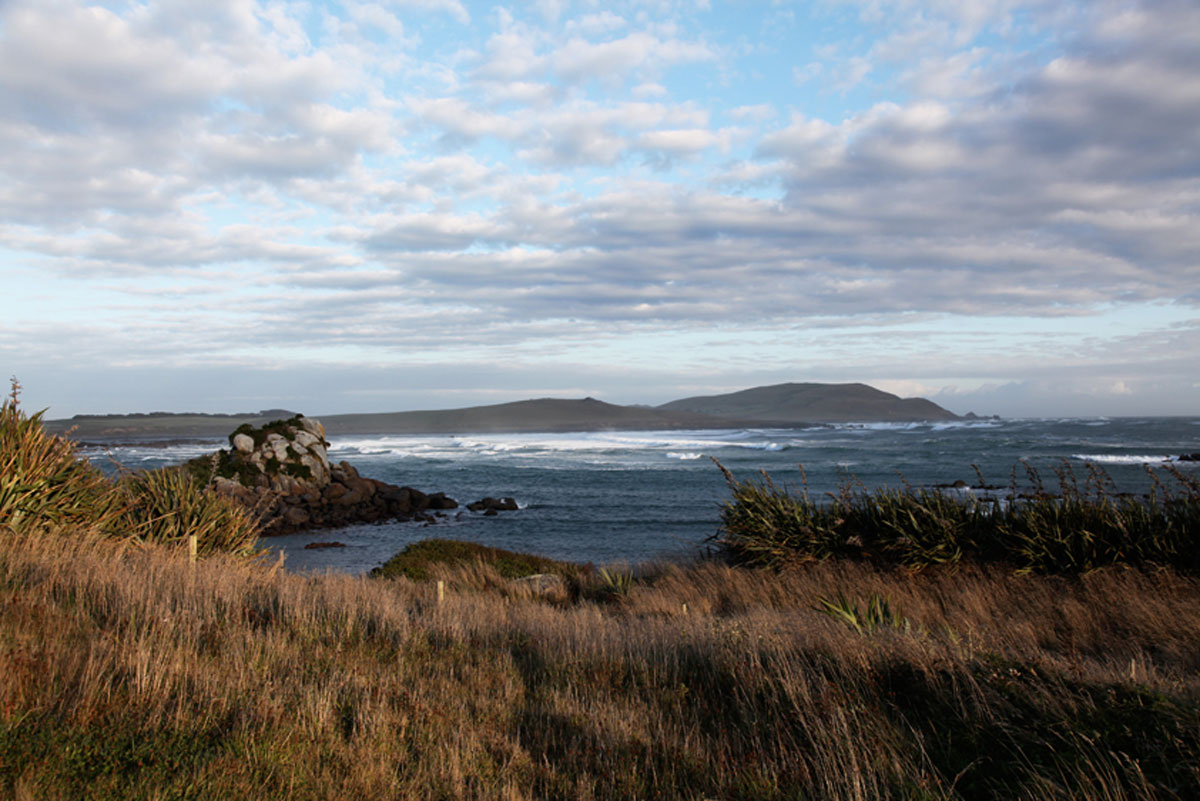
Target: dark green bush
(415,560)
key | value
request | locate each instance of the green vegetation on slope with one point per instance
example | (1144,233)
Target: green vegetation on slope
(416,560)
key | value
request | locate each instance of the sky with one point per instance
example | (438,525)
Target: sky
(230,205)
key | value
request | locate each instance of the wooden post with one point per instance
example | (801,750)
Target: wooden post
(441,591)
(685,609)
(193,549)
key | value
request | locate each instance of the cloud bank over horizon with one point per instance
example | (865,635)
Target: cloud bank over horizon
(375,206)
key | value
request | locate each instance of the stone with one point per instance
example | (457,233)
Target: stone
(438,500)
(306,439)
(286,479)
(313,427)
(490,506)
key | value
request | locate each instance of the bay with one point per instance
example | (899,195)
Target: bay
(634,496)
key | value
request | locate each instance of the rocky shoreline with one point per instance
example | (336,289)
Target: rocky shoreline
(282,472)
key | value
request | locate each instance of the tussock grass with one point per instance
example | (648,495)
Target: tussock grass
(45,486)
(42,483)
(1074,529)
(132,675)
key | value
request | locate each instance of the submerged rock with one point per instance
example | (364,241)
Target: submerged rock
(491,506)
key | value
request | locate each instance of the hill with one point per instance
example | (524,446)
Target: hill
(156,425)
(813,403)
(783,405)
(542,414)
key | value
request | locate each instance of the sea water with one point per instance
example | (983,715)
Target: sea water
(633,496)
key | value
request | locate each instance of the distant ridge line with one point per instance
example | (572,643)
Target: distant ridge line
(782,405)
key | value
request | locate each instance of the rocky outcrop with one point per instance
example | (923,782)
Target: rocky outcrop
(492,506)
(282,472)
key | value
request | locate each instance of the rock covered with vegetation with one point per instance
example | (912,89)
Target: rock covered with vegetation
(282,471)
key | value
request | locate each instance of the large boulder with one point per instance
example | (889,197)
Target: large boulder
(282,472)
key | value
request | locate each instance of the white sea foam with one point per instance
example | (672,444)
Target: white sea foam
(542,445)
(1122,458)
(684,456)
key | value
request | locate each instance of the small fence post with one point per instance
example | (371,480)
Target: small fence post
(441,591)
(193,549)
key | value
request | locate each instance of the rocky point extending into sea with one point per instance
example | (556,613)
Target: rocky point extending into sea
(282,472)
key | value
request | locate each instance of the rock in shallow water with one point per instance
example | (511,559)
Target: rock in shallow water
(282,472)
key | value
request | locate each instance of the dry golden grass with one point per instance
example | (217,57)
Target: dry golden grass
(128,674)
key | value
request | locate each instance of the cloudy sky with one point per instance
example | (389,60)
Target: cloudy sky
(229,205)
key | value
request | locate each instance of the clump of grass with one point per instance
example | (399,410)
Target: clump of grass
(169,505)
(1074,530)
(43,484)
(877,613)
(46,487)
(614,582)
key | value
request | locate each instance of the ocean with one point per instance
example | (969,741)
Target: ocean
(634,496)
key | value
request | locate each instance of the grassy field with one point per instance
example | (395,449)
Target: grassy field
(128,672)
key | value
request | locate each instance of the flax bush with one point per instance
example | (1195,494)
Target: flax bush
(1076,529)
(43,484)
(169,505)
(46,486)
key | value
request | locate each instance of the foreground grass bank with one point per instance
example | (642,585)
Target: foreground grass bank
(129,674)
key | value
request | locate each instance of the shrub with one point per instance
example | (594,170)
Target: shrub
(44,485)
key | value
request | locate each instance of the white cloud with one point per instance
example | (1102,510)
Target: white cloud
(563,178)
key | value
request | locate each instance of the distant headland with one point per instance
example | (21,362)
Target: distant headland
(782,405)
